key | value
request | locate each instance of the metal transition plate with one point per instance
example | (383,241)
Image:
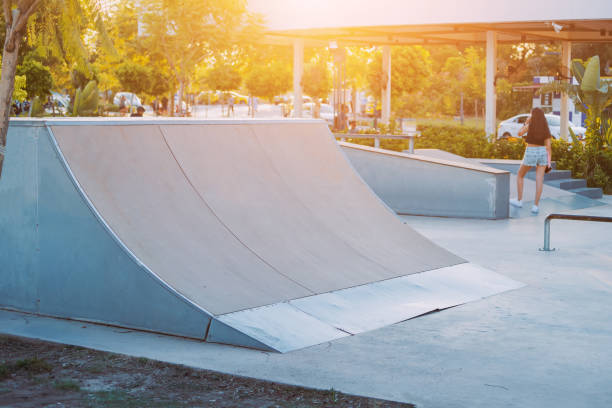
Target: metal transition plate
(316,319)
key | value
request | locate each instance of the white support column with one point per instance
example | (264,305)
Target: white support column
(566,59)
(386,88)
(298,70)
(490,103)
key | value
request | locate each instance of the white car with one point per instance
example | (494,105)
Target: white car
(510,127)
(130,99)
(326,112)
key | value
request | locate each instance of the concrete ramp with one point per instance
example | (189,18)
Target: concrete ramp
(432,182)
(258,234)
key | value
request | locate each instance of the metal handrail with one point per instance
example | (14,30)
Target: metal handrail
(408,135)
(573,217)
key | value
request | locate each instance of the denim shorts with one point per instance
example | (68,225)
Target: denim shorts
(535,156)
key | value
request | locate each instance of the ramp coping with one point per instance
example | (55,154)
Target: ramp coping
(467,166)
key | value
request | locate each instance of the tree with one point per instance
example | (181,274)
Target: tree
(187,32)
(134,78)
(38,78)
(316,80)
(269,80)
(223,77)
(411,72)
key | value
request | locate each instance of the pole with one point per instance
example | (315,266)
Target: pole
(491,69)
(566,51)
(461,108)
(386,89)
(298,70)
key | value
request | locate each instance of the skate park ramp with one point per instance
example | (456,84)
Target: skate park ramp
(553,199)
(252,233)
(440,184)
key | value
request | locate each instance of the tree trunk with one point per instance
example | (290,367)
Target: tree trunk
(180,97)
(7,83)
(171,103)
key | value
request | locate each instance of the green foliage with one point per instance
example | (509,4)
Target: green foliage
(411,75)
(223,77)
(509,102)
(19,91)
(32,365)
(66,385)
(38,78)
(38,108)
(316,80)
(4,371)
(86,100)
(269,80)
(133,77)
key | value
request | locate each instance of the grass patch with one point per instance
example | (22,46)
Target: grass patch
(67,385)
(4,371)
(121,399)
(33,365)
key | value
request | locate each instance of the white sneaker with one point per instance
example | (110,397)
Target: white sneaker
(535,209)
(516,203)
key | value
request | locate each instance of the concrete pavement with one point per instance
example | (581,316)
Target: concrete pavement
(545,345)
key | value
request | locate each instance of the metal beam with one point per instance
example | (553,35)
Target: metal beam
(491,70)
(566,50)
(386,88)
(298,70)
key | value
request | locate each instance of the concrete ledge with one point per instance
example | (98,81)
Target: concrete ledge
(421,185)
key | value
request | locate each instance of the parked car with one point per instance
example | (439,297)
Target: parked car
(326,112)
(510,127)
(131,99)
(208,98)
(372,107)
(57,103)
(239,99)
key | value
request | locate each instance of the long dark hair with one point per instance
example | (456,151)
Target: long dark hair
(538,126)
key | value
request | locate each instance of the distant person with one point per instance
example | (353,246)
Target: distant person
(230,105)
(342,118)
(316,109)
(353,126)
(537,153)
(164,106)
(123,105)
(156,106)
(139,112)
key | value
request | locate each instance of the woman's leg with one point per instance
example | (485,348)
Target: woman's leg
(540,170)
(520,179)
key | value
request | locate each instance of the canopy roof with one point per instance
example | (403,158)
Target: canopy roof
(395,22)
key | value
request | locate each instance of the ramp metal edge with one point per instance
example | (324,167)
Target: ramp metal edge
(329,316)
(442,162)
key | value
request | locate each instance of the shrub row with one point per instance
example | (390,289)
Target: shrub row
(473,142)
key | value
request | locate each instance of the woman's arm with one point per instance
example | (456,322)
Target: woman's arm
(525,128)
(548,150)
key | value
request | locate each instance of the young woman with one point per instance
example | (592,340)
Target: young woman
(537,154)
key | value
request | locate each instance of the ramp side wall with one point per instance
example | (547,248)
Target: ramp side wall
(57,257)
(422,187)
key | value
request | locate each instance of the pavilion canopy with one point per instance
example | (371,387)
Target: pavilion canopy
(395,22)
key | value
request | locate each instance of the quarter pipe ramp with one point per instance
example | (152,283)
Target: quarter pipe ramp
(252,233)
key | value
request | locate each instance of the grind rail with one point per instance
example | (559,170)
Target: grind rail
(567,217)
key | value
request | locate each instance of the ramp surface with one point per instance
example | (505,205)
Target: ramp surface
(261,231)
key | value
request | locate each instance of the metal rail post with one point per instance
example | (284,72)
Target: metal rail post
(574,217)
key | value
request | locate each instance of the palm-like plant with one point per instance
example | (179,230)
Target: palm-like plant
(592,95)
